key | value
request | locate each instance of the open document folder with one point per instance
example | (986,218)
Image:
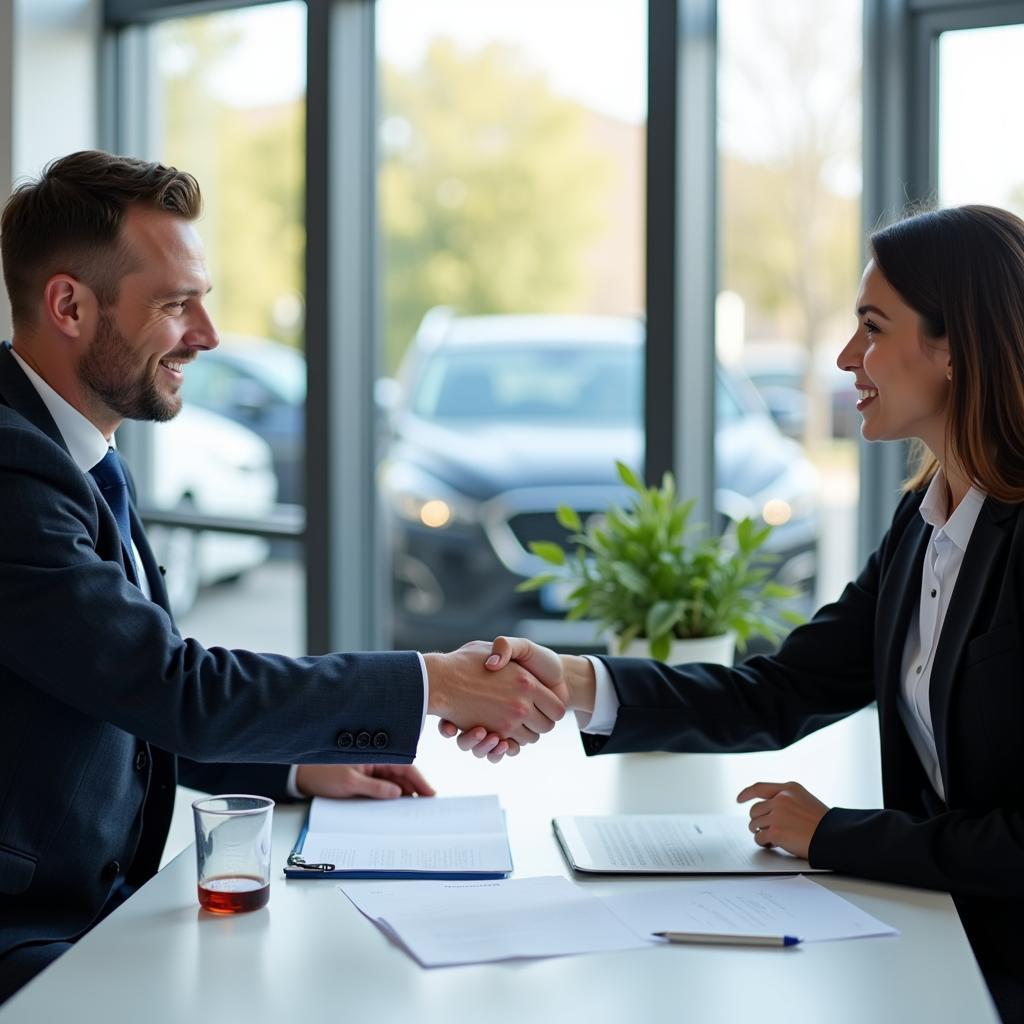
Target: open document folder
(669,844)
(433,837)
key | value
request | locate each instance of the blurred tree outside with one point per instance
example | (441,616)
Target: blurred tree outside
(250,164)
(791,244)
(493,190)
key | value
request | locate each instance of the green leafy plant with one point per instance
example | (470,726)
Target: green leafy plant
(641,572)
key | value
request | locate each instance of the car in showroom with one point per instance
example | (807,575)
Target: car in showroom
(205,463)
(494,421)
(261,385)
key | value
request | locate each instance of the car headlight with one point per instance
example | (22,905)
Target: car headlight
(793,495)
(419,497)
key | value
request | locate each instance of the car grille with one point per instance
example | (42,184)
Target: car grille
(531,526)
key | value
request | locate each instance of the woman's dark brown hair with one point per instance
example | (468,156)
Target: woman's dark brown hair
(962,271)
(69,222)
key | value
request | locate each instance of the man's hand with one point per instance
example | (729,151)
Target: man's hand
(786,815)
(380,781)
(571,678)
(507,701)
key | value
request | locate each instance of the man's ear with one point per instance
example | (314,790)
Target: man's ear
(70,306)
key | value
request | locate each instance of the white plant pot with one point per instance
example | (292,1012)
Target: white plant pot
(716,650)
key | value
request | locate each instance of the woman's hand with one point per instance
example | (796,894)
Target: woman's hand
(786,815)
(380,781)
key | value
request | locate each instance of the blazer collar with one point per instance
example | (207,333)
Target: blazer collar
(900,589)
(17,391)
(984,551)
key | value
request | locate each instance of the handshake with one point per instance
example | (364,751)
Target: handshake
(497,697)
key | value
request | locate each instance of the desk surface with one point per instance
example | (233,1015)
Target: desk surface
(311,957)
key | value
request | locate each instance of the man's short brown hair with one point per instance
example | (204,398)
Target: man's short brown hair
(69,222)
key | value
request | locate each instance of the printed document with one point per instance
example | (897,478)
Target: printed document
(442,923)
(446,923)
(435,835)
(637,844)
(746,906)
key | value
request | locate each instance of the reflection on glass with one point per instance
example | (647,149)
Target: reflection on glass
(511,175)
(981,76)
(227,103)
(789,152)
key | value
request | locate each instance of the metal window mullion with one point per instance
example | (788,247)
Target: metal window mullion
(681,247)
(343,591)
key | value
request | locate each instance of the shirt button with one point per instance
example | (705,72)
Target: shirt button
(363,740)
(918,669)
(345,740)
(934,591)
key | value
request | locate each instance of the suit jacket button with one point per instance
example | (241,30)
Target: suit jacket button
(141,761)
(380,739)
(110,871)
(345,740)
(363,740)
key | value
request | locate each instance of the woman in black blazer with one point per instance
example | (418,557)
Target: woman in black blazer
(931,629)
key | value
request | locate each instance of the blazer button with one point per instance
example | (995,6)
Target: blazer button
(110,871)
(345,740)
(141,761)
(363,740)
(380,739)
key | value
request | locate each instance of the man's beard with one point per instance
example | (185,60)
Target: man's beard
(110,370)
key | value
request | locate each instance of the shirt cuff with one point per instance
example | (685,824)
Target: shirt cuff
(290,788)
(601,721)
(426,690)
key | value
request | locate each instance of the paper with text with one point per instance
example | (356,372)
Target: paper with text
(445,923)
(679,843)
(429,835)
(746,906)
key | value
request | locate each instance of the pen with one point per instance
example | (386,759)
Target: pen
(729,940)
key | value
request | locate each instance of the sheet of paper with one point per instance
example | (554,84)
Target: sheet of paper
(687,843)
(445,923)
(406,816)
(388,852)
(439,834)
(746,906)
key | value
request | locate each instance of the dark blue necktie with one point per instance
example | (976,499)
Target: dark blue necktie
(109,475)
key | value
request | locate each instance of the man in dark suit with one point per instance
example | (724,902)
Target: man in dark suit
(107,280)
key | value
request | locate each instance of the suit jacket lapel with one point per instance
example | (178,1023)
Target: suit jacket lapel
(984,551)
(897,597)
(22,397)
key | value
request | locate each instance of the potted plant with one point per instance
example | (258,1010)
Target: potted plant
(655,586)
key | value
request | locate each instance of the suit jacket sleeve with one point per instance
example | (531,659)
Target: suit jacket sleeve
(823,671)
(77,630)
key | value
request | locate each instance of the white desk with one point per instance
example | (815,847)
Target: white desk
(310,957)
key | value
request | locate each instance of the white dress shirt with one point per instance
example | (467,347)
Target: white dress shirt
(945,554)
(87,447)
(942,560)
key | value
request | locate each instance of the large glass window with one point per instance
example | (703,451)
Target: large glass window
(511,190)
(981,76)
(226,98)
(789,164)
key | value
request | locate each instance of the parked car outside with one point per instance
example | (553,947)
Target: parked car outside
(260,384)
(778,370)
(205,463)
(496,420)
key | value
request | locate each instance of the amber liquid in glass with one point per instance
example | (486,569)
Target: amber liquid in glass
(233,894)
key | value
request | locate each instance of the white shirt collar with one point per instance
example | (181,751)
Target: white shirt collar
(958,526)
(86,444)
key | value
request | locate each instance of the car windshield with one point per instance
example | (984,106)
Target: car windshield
(565,384)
